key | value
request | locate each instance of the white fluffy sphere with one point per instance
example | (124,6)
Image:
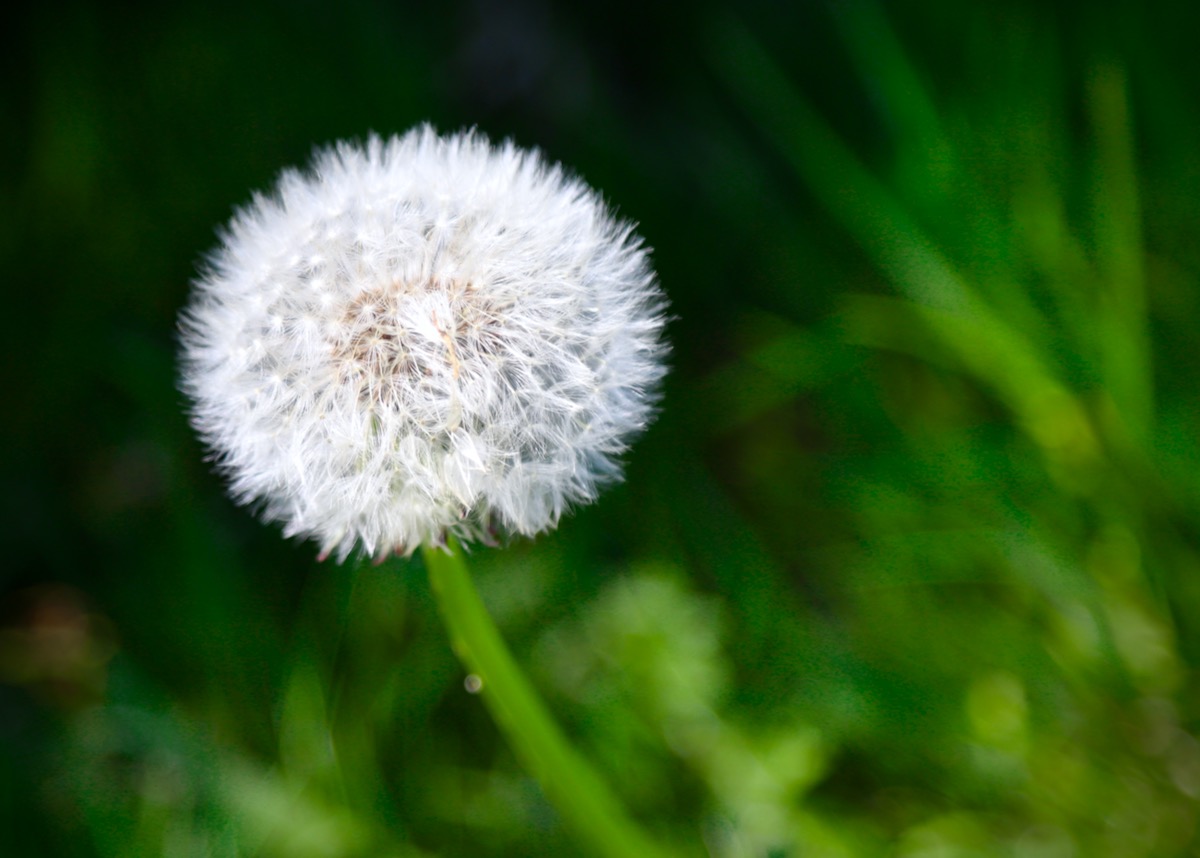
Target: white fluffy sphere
(422,336)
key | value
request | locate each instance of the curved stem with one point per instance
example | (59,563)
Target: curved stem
(584,801)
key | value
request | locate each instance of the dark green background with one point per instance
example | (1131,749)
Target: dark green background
(909,565)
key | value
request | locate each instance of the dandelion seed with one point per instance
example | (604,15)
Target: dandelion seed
(419,337)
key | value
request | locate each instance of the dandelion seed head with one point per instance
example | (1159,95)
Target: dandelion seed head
(422,336)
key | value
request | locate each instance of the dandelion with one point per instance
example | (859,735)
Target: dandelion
(420,337)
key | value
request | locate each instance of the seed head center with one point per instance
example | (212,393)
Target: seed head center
(398,337)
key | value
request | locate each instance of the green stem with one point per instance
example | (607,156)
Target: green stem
(584,801)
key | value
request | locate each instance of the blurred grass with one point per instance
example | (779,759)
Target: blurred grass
(910,564)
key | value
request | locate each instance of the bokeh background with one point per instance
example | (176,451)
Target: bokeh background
(908,566)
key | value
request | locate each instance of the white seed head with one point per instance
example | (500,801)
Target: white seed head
(422,336)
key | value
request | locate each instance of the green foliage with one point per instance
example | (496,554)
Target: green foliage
(909,565)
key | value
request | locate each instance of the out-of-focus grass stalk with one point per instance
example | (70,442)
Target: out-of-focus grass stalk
(1045,408)
(881,58)
(828,167)
(930,167)
(576,791)
(1125,351)
(940,297)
